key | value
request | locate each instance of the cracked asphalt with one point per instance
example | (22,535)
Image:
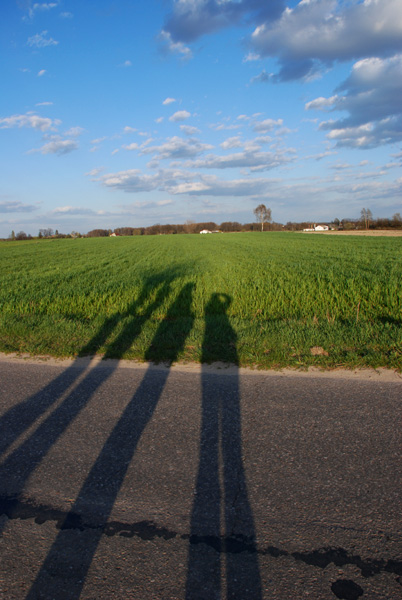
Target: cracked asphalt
(146,482)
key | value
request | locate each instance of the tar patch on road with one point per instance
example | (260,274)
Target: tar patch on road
(345,589)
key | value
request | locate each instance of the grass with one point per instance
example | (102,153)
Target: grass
(254,299)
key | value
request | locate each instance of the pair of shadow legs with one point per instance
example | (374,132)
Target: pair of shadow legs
(213,545)
(22,416)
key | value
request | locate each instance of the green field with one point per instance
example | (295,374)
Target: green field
(262,299)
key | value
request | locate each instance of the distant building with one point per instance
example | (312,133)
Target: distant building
(205,231)
(318,228)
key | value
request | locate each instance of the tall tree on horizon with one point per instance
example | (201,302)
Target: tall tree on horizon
(263,214)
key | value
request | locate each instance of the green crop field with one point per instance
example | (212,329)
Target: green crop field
(262,299)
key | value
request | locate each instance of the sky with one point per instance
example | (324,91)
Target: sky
(119,113)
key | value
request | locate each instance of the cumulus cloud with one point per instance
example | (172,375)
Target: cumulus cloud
(128,129)
(74,131)
(58,147)
(73,210)
(250,159)
(179,182)
(29,120)
(188,130)
(210,185)
(318,32)
(132,146)
(174,47)
(168,101)
(371,98)
(267,125)
(41,72)
(180,115)
(15,206)
(132,180)
(224,126)
(40,40)
(233,142)
(321,103)
(176,147)
(191,19)
(94,172)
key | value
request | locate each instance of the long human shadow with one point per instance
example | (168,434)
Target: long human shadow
(98,494)
(22,462)
(222,539)
(21,417)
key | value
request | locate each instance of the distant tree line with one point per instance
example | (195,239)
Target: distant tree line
(189,227)
(366,221)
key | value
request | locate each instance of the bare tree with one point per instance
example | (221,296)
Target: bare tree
(263,215)
(367,216)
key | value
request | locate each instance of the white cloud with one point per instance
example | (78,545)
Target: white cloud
(318,32)
(371,98)
(44,104)
(224,126)
(188,130)
(41,72)
(74,210)
(180,115)
(40,41)
(168,101)
(127,63)
(66,15)
(248,159)
(267,125)
(29,120)
(176,147)
(43,6)
(74,131)
(15,206)
(233,142)
(322,103)
(131,180)
(174,47)
(128,129)
(159,120)
(251,56)
(132,146)
(95,172)
(210,185)
(58,147)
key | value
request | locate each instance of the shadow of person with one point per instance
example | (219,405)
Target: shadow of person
(20,464)
(222,558)
(22,416)
(95,500)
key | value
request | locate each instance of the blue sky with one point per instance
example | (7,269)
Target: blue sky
(117,113)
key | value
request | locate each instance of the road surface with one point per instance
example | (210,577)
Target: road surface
(144,482)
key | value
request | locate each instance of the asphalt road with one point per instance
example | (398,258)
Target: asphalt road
(149,483)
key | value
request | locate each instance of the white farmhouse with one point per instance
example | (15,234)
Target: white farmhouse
(318,228)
